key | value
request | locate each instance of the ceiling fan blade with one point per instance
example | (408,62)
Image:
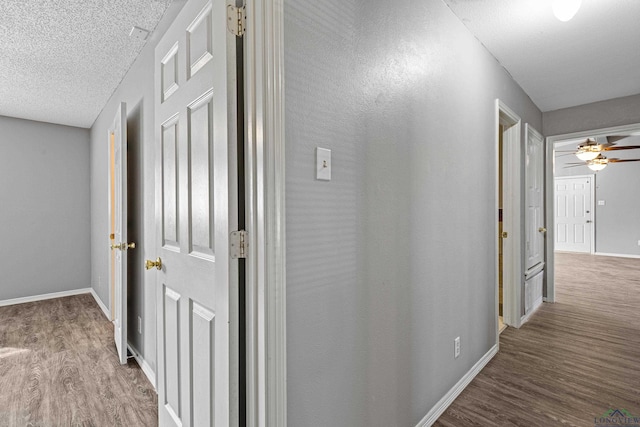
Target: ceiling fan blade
(574,165)
(623,160)
(625,147)
(612,139)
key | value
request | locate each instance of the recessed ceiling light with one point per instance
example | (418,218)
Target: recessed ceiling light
(139,33)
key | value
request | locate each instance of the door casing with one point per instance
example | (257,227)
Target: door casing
(265,215)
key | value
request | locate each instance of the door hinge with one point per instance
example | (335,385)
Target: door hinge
(239,244)
(236,20)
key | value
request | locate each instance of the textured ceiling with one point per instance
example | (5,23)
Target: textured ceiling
(593,57)
(60,60)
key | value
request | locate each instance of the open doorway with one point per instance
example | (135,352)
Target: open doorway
(589,208)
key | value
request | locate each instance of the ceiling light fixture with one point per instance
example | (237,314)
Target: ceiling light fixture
(586,154)
(598,163)
(597,166)
(564,10)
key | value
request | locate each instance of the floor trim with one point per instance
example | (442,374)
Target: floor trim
(103,307)
(617,255)
(448,398)
(146,368)
(43,297)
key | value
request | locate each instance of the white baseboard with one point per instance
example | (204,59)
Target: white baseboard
(103,307)
(451,395)
(44,297)
(146,368)
(617,255)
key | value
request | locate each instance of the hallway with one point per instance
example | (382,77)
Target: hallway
(572,362)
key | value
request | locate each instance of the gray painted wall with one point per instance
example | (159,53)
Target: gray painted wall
(617,224)
(45,218)
(136,89)
(598,115)
(393,258)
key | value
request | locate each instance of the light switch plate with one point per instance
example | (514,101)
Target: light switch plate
(600,202)
(323,164)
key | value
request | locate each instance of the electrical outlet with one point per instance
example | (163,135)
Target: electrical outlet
(139,324)
(456,347)
(638,242)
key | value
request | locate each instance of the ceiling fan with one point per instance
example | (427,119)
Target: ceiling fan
(600,162)
(591,149)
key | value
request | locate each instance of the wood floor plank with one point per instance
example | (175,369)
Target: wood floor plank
(59,367)
(574,360)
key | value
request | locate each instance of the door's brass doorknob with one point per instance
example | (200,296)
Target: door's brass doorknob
(150,264)
(542,230)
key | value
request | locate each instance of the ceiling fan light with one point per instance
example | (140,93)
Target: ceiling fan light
(587,155)
(597,166)
(564,10)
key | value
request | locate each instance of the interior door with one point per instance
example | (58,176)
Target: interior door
(196,208)
(119,244)
(534,178)
(573,213)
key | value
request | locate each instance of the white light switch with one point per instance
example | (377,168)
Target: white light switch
(323,164)
(600,202)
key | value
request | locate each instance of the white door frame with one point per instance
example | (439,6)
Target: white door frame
(549,191)
(512,223)
(265,214)
(592,206)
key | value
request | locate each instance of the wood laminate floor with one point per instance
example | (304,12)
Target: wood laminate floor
(58,367)
(572,362)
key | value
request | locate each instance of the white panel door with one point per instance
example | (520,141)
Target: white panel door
(573,214)
(118,134)
(196,208)
(534,177)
